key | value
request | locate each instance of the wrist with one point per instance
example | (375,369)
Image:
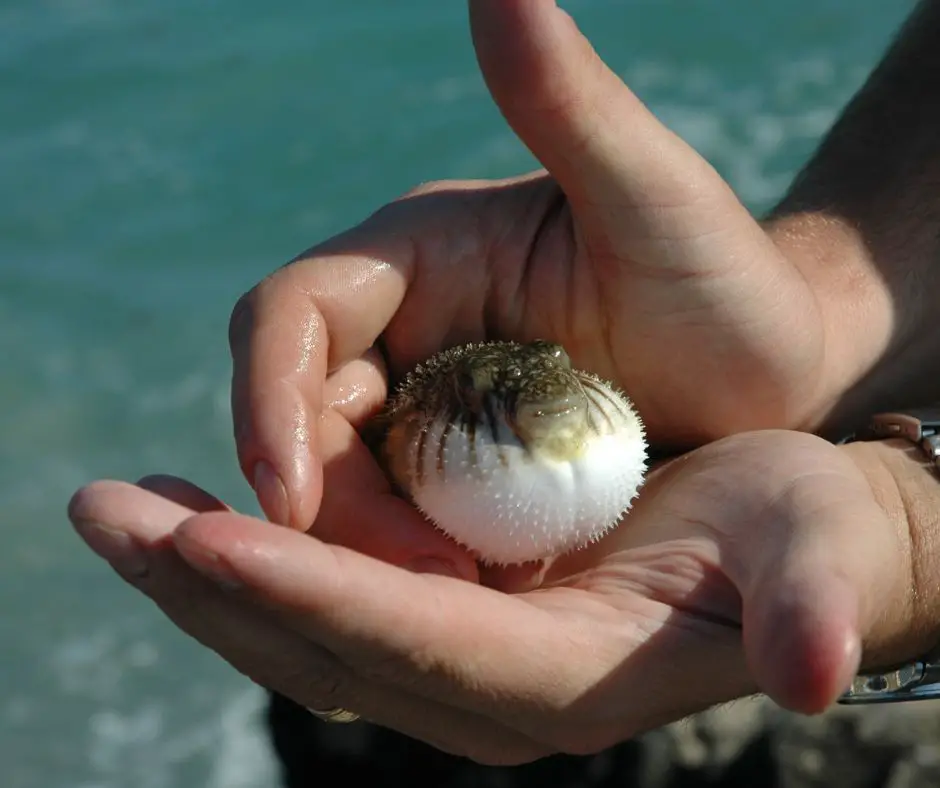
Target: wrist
(906,486)
(855,312)
(881,348)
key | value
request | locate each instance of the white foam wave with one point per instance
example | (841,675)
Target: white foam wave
(142,748)
(756,138)
(149,739)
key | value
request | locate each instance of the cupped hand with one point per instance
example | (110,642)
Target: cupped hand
(630,251)
(767,561)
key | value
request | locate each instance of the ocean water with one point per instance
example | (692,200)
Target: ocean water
(156,160)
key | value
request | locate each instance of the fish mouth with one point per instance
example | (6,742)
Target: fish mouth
(553,408)
(534,420)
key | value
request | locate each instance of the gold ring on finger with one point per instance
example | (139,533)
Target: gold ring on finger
(335,714)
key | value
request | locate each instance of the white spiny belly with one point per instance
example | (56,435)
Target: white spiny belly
(510,505)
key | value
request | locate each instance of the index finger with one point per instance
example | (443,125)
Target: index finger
(414,273)
(286,335)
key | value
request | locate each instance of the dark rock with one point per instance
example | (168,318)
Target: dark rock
(750,742)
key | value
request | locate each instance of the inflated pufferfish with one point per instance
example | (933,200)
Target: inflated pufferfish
(511,452)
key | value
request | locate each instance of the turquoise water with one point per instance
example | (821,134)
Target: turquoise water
(157,159)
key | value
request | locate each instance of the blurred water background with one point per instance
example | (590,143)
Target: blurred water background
(156,159)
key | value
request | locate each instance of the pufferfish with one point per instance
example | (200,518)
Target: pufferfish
(511,452)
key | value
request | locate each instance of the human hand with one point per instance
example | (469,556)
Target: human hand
(632,253)
(768,561)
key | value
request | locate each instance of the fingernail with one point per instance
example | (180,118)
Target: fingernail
(433,566)
(116,547)
(271,493)
(210,565)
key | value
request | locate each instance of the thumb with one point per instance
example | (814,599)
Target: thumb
(601,144)
(812,579)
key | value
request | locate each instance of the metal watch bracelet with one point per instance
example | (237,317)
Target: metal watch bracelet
(918,680)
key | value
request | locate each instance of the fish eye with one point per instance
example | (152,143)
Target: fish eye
(562,358)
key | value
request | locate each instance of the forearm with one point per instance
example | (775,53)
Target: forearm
(862,223)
